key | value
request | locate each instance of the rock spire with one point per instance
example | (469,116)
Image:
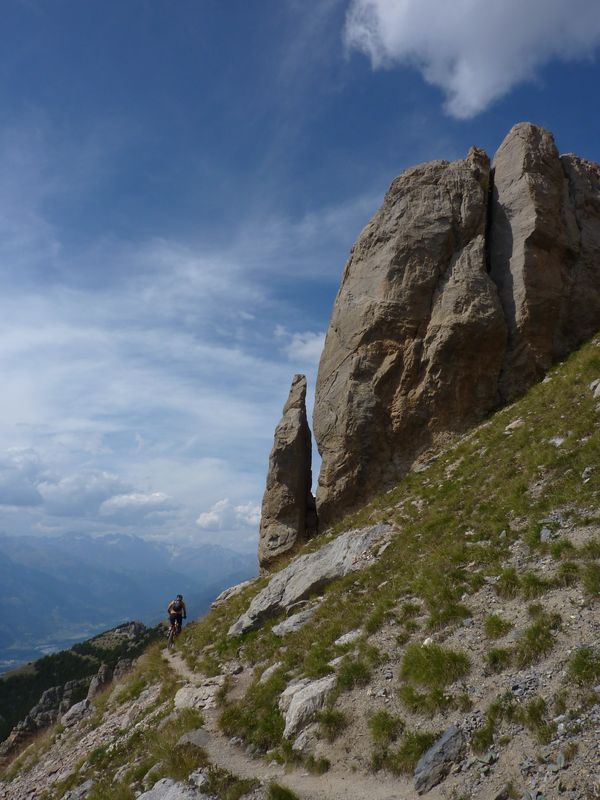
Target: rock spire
(288,509)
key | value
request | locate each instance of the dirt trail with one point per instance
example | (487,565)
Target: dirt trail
(333,785)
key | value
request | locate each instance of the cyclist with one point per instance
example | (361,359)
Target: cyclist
(176,611)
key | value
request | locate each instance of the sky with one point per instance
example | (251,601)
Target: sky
(180,187)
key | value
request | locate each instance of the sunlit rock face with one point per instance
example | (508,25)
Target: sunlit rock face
(461,291)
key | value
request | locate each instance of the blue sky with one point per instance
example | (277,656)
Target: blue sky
(181,185)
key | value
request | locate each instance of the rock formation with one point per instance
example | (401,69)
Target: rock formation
(288,508)
(462,290)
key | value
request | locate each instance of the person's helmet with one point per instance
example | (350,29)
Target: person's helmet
(180,597)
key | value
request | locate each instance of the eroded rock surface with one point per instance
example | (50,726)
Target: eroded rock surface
(309,573)
(288,512)
(467,284)
(436,763)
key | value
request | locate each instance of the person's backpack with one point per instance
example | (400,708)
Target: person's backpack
(177,605)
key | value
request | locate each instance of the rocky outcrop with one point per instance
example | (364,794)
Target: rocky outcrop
(288,513)
(301,701)
(310,573)
(53,703)
(100,681)
(458,295)
(436,763)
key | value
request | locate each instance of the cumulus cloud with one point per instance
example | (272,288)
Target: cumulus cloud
(20,472)
(225,515)
(476,51)
(81,494)
(303,347)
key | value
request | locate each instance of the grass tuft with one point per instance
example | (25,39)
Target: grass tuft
(495,626)
(385,728)
(433,666)
(584,666)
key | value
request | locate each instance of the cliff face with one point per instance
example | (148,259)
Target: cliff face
(462,290)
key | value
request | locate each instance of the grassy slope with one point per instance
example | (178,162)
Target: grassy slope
(497,487)
(456,519)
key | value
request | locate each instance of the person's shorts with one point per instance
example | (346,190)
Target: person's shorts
(176,618)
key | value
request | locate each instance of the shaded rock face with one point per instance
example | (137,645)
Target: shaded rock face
(458,295)
(288,511)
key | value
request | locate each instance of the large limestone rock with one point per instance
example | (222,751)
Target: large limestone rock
(417,335)
(288,513)
(459,294)
(310,573)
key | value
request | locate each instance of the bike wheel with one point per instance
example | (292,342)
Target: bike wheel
(171,637)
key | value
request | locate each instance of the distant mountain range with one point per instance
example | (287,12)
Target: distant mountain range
(56,591)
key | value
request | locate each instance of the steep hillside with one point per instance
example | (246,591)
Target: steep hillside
(466,604)
(21,689)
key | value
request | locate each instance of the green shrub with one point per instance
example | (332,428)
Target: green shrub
(317,766)
(278,792)
(591,579)
(584,666)
(495,626)
(508,584)
(433,666)
(537,640)
(498,659)
(413,744)
(561,547)
(533,716)
(256,717)
(353,672)
(331,723)
(385,728)
(533,585)
(567,574)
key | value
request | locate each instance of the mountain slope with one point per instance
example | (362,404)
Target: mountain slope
(480,613)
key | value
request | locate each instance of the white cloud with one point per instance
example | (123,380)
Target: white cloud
(81,494)
(476,51)
(136,500)
(224,515)
(305,348)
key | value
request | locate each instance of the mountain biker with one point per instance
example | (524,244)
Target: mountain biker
(177,611)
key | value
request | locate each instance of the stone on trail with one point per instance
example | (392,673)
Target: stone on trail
(203,696)
(436,763)
(167,789)
(197,738)
(310,573)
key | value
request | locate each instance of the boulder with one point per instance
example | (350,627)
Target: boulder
(76,713)
(436,763)
(122,668)
(167,789)
(304,703)
(100,681)
(294,623)
(232,591)
(288,507)
(310,573)
(80,792)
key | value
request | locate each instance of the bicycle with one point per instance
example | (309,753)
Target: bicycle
(174,631)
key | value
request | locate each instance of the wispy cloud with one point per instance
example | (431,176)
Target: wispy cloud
(476,51)
(140,373)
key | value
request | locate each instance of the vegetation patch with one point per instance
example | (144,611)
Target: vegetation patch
(584,666)
(403,759)
(495,626)
(385,728)
(256,717)
(433,666)
(331,723)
